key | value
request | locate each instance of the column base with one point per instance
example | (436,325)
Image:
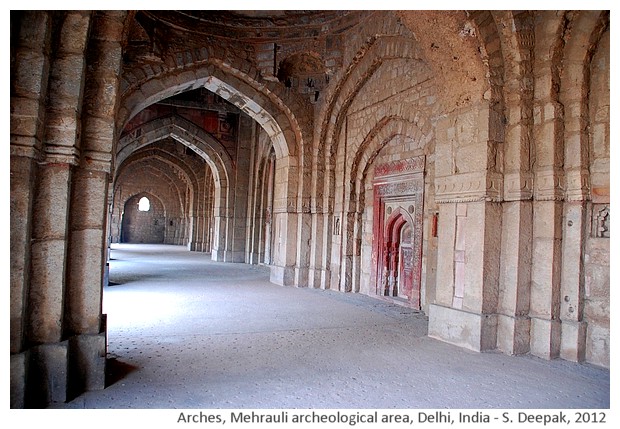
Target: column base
(219,255)
(283,276)
(19,369)
(513,334)
(301,277)
(318,278)
(545,338)
(87,363)
(472,331)
(573,345)
(47,375)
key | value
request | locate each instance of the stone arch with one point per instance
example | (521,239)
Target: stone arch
(384,131)
(177,169)
(195,138)
(388,275)
(188,134)
(181,197)
(274,116)
(202,215)
(285,122)
(254,99)
(574,96)
(381,134)
(343,90)
(368,59)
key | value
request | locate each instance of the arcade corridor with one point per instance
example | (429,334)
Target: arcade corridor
(187,332)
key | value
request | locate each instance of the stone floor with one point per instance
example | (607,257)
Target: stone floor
(186,332)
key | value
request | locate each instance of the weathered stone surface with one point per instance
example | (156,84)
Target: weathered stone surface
(261,139)
(87,363)
(47,375)
(470,330)
(18,371)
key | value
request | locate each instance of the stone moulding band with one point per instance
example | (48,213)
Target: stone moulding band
(400,167)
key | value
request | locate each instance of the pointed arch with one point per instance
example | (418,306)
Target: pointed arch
(187,133)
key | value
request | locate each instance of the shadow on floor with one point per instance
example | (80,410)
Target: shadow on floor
(116,370)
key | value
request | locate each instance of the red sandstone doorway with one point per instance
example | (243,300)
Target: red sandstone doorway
(397,231)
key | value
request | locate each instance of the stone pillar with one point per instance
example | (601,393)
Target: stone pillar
(513,335)
(48,253)
(239,228)
(267,192)
(545,289)
(576,169)
(465,305)
(549,185)
(573,345)
(284,257)
(322,223)
(446,228)
(513,323)
(317,268)
(255,202)
(348,256)
(29,78)
(89,199)
(304,231)
(547,234)
(304,221)
(466,295)
(220,232)
(49,365)
(29,74)
(199,231)
(285,222)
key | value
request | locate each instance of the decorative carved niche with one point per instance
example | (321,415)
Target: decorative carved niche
(600,220)
(336,225)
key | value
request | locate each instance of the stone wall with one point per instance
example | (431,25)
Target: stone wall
(143,226)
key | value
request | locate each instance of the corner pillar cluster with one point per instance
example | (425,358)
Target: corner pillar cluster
(468,191)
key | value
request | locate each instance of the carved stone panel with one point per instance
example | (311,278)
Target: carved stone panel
(600,221)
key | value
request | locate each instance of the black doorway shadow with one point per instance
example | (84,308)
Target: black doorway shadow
(117,370)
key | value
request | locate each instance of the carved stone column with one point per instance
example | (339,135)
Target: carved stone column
(48,368)
(29,72)
(84,323)
(549,186)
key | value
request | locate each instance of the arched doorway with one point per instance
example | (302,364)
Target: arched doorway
(397,231)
